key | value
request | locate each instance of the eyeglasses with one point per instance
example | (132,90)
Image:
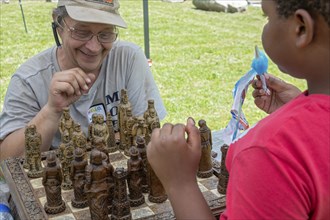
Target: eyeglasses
(82,35)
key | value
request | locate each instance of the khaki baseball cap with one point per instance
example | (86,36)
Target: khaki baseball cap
(94,11)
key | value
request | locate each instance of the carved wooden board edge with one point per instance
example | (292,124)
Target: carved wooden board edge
(21,190)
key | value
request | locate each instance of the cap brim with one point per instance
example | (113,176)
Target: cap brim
(95,16)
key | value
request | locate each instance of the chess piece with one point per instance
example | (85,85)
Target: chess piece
(66,122)
(141,146)
(157,193)
(111,142)
(100,134)
(96,186)
(205,168)
(90,129)
(121,204)
(122,109)
(139,128)
(223,175)
(66,158)
(111,187)
(134,177)
(78,179)
(129,123)
(33,144)
(79,139)
(52,179)
(151,119)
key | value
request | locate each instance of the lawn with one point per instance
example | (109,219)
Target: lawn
(197,55)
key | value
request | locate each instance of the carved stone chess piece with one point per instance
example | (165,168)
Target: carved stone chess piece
(52,179)
(122,113)
(78,179)
(100,134)
(139,128)
(205,168)
(66,157)
(134,177)
(128,135)
(141,146)
(111,142)
(223,175)
(157,193)
(121,204)
(111,186)
(33,144)
(90,133)
(79,139)
(96,186)
(151,119)
(66,122)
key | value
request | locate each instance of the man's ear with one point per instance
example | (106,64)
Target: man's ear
(305,28)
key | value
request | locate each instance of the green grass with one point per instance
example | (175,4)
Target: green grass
(197,55)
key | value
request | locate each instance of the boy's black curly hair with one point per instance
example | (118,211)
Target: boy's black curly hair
(315,7)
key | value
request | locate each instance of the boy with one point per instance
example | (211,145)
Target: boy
(280,167)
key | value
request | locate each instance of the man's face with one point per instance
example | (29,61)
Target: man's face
(88,55)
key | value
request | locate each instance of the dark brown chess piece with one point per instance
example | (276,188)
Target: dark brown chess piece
(78,179)
(52,179)
(122,112)
(134,177)
(157,193)
(111,142)
(223,175)
(66,158)
(96,186)
(141,146)
(111,186)
(205,168)
(121,205)
(33,144)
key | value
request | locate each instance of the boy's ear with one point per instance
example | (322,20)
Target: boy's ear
(304,29)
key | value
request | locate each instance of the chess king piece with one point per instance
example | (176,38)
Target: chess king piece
(134,178)
(66,122)
(122,113)
(111,142)
(78,179)
(141,146)
(33,143)
(129,123)
(96,186)
(121,205)
(151,119)
(66,158)
(157,193)
(223,175)
(205,168)
(52,179)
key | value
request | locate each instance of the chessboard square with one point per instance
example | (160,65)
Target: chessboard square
(116,156)
(40,192)
(67,195)
(215,191)
(210,183)
(209,196)
(141,213)
(161,207)
(119,164)
(69,216)
(36,183)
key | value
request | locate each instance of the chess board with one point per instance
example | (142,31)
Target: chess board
(28,195)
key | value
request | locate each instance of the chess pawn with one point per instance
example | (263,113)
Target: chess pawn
(223,175)
(141,146)
(151,119)
(66,158)
(134,178)
(33,145)
(79,139)
(90,131)
(78,179)
(205,168)
(111,142)
(52,179)
(157,193)
(130,121)
(100,134)
(122,113)
(96,186)
(66,122)
(121,204)
(139,128)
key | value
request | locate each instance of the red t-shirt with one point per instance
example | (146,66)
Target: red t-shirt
(280,168)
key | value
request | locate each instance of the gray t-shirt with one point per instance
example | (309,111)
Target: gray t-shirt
(125,67)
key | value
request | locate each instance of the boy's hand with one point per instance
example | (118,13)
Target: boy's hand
(174,159)
(280,93)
